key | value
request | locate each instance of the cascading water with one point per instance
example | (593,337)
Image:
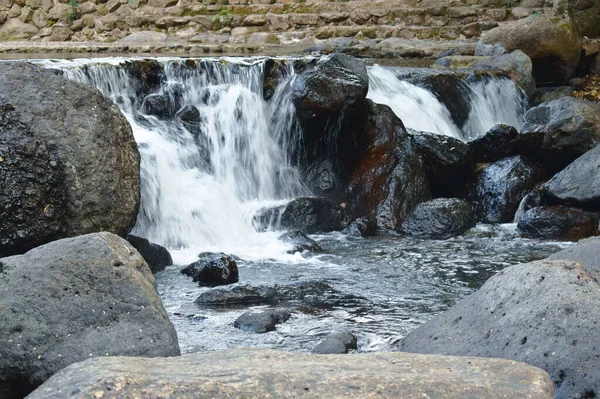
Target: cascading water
(492,101)
(203,181)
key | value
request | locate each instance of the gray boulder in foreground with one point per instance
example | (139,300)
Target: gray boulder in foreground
(262,374)
(73,299)
(543,313)
(586,252)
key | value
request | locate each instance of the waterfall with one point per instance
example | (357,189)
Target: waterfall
(491,101)
(203,182)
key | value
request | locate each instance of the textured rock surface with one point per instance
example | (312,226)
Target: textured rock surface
(261,322)
(586,252)
(213,270)
(497,143)
(252,373)
(439,218)
(557,222)
(156,256)
(338,343)
(74,151)
(73,299)
(542,313)
(300,242)
(314,215)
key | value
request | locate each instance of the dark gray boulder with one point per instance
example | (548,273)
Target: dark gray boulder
(543,313)
(75,153)
(439,218)
(579,183)
(499,188)
(300,242)
(314,215)
(365,226)
(73,299)
(338,343)
(213,270)
(586,252)
(448,162)
(156,256)
(243,294)
(557,223)
(262,322)
(499,142)
(268,218)
(547,94)
(334,84)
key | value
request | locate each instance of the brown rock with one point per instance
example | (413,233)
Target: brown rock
(14,29)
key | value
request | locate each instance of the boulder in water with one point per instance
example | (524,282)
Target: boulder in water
(516,65)
(542,313)
(365,226)
(262,322)
(338,343)
(499,142)
(439,218)
(314,215)
(159,105)
(213,270)
(73,299)
(498,189)
(557,223)
(268,218)
(238,295)
(156,256)
(69,163)
(300,242)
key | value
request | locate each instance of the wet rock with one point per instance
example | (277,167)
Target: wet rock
(439,218)
(553,44)
(250,373)
(365,226)
(262,322)
(159,105)
(275,71)
(557,223)
(213,270)
(238,295)
(498,189)
(73,151)
(516,65)
(558,132)
(300,242)
(336,83)
(73,299)
(339,343)
(268,218)
(499,142)
(314,215)
(578,183)
(322,178)
(189,114)
(156,256)
(146,75)
(543,313)
(448,162)
(586,253)
(547,94)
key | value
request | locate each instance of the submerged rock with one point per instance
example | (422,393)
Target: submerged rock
(300,242)
(314,215)
(73,299)
(558,223)
(499,188)
(156,256)
(268,218)
(439,218)
(69,164)
(238,295)
(542,313)
(499,142)
(262,322)
(338,343)
(213,270)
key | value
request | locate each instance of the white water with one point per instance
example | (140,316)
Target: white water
(492,101)
(192,204)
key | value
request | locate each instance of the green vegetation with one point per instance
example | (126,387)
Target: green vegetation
(73,13)
(223,18)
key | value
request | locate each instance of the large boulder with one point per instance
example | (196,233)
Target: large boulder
(334,84)
(157,257)
(586,252)
(553,44)
(72,150)
(516,65)
(499,142)
(73,299)
(579,183)
(543,313)
(252,373)
(314,215)
(439,218)
(499,188)
(559,131)
(213,270)
(558,223)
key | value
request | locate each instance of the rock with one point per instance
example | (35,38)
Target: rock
(448,162)
(498,189)
(300,242)
(543,313)
(261,322)
(14,29)
(73,299)
(578,183)
(499,142)
(73,150)
(268,218)
(156,256)
(547,94)
(249,373)
(365,226)
(314,215)
(560,131)
(557,223)
(213,270)
(439,218)
(516,65)
(237,295)
(334,84)
(146,75)
(553,44)
(275,71)
(160,105)
(586,253)
(339,343)
(262,38)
